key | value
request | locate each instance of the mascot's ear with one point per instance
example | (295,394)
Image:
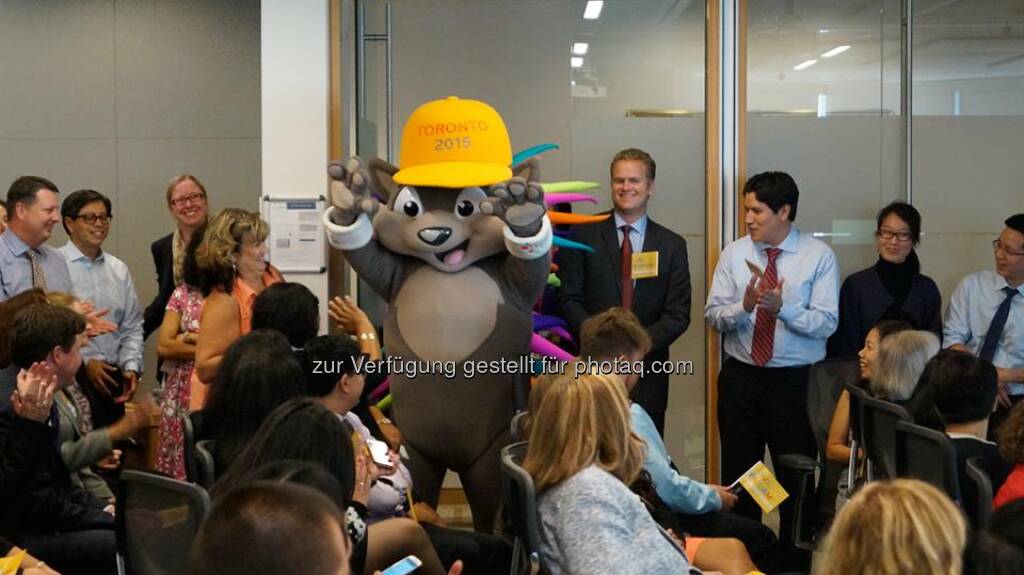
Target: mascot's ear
(382,174)
(528,170)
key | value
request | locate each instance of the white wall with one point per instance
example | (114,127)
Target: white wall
(295,110)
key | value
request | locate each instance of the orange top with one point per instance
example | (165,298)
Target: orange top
(245,296)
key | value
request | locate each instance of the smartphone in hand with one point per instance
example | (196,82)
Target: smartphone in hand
(403,567)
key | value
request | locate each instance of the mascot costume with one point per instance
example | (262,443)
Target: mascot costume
(460,250)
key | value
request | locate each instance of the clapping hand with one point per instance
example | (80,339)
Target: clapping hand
(34,395)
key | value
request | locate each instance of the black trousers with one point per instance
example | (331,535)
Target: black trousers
(480,553)
(759,406)
(756,536)
(90,552)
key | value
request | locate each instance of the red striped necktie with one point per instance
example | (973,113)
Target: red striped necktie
(764,326)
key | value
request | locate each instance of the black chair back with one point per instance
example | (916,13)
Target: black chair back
(189,436)
(157,519)
(521,502)
(928,455)
(826,382)
(878,435)
(982,504)
(206,474)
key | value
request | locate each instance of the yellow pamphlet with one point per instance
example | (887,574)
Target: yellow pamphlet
(10,564)
(645,265)
(759,482)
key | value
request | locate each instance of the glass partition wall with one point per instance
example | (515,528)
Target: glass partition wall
(862,101)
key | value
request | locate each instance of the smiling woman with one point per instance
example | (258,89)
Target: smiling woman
(893,288)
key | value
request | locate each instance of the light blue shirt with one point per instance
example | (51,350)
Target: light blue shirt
(974,303)
(16,270)
(107,283)
(810,299)
(680,493)
(636,233)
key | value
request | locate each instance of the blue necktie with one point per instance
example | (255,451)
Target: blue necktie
(995,329)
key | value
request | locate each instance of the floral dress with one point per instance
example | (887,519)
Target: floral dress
(187,302)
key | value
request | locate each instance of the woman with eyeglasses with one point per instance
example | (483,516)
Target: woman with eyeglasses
(186,200)
(893,288)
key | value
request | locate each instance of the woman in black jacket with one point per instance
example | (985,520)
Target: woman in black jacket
(893,288)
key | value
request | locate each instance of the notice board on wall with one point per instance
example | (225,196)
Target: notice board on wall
(296,240)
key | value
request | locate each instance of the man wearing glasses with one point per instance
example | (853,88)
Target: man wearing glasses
(112,362)
(986,316)
(26,261)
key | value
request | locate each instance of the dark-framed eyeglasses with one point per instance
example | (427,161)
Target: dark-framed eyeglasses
(189,199)
(93,219)
(999,246)
(889,234)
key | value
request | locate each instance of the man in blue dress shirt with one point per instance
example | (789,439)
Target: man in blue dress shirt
(774,299)
(103,279)
(986,316)
(26,261)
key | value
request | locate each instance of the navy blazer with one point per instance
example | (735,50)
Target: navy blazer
(863,300)
(163,260)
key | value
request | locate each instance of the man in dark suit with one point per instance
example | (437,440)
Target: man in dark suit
(648,274)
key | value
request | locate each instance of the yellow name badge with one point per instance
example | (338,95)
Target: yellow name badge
(645,265)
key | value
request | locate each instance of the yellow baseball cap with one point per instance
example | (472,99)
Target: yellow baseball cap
(454,143)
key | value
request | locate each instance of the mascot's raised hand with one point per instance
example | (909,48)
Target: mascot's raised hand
(519,202)
(351,193)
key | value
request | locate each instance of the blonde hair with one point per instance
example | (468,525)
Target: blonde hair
(215,255)
(901,360)
(583,422)
(182,178)
(895,527)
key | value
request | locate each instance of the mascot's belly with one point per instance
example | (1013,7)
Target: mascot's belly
(444,316)
(459,318)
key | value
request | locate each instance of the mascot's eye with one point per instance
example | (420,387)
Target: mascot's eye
(467,202)
(408,201)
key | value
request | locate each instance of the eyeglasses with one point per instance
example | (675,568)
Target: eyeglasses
(998,245)
(189,199)
(889,234)
(93,219)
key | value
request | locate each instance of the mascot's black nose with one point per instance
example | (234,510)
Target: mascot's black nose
(435,236)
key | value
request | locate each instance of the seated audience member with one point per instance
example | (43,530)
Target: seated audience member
(965,395)
(986,316)
(350,319)
(289,308)
(187,202)
(989,554)
(838,446)
(7,309)
(26,261)
(272,528)
(1011,446)
(332,379)
(233,269)
(304,430)
(176,348)
(894,528)
(1007,523)
(616,335)
(258,374)
(61,523)
(583,454)
(893,288)
(24,440)
(3,216)
(112,362)
(900,362)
